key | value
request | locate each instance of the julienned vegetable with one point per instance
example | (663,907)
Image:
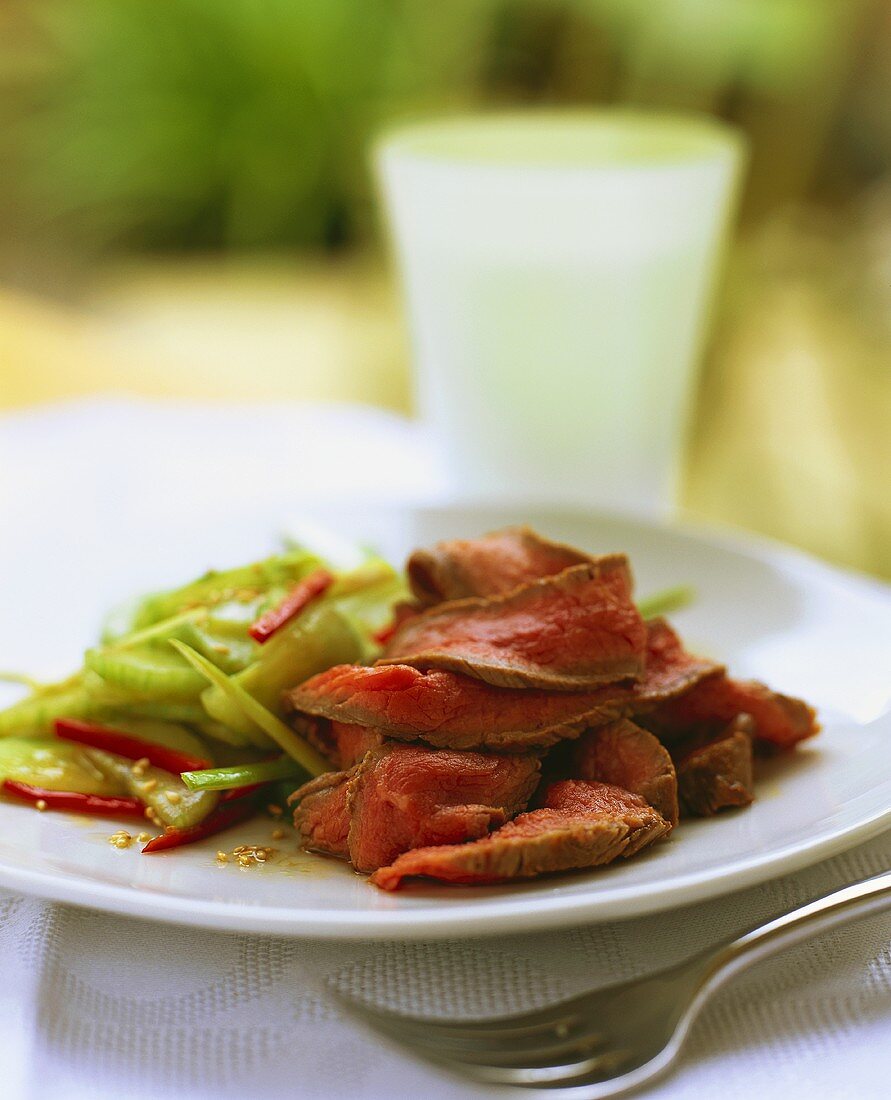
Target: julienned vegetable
(74,801)
(140,711)
(302,594)
(305,755)
(242,775)
(100,737)
(230,813)
(666,602)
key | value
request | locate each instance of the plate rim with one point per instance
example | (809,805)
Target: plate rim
(472,917)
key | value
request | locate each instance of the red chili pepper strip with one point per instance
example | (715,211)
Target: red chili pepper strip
(75,802)
(304,592)
(226,814)
(239,792)
(384,635)
(101,737)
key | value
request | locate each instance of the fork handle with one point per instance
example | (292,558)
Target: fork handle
(873,895)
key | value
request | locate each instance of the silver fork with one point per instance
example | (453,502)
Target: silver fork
(613,1040)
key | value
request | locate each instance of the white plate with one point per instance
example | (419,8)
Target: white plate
(770,613)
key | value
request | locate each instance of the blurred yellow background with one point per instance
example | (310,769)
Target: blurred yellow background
(186,211)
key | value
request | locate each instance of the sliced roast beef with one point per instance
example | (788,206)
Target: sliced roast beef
(488,566)
(581,825)
(624,755)
(342,743)
(405,796)
(568,633)
(779,720)
(447,709)
(718,774)
(322,817)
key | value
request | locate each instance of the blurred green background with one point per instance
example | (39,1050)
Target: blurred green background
(185,193)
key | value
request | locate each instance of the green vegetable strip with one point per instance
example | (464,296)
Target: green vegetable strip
(242,582)
(172,801)
(283,735)
(315,642)
(147,671)
(242,775)
(21,678)
(666,601)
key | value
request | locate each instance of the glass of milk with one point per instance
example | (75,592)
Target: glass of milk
(557,270)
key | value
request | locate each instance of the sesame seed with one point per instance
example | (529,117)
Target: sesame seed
(40,804)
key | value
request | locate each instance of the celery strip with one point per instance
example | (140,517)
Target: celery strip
(242,775)
(667,601)
(55,765)
(316,641)
(169,734)
(148,672)
(173,802)
(283,735)
(23,679)
(34,716)
(241,583)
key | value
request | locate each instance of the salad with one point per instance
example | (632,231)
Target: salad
(505,709)
(175,718)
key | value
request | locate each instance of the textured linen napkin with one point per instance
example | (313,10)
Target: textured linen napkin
(98,1006)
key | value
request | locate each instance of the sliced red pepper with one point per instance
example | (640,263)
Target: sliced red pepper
(226,814)
(386,633)
(75,802)
(304,592)
(123,744)
(402,612)
(232,793)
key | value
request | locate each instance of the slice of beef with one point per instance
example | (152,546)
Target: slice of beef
(624,755)
(581,825)
(718,775)
(450,710)
(405,796)
(342,743)
(353,742)
(488,566)
(568,633)
(779,720)
(322,816)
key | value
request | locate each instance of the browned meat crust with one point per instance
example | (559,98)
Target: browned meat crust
(718,775)
(322,817)
(488,566)
(779,720)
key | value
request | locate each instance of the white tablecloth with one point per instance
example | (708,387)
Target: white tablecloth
(97,1006)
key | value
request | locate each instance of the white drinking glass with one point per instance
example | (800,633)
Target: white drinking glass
(557,270)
